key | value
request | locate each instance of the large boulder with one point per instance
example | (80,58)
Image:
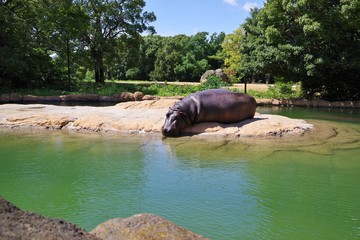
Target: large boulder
(218,72)
(18,224)
(142,226)
(138,117)
(206,75)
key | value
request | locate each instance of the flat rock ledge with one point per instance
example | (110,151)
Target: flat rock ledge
(138,117)
(18,224)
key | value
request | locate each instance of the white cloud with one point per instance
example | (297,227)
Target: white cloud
(231,2)
(249,5)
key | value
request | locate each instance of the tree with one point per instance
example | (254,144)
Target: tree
(253,50)
(38,39)
(64,23)
(168,57)
(186,58)
(194,59)
(215,58)
(149,46)
(231,52)
(315,42)
(109,20)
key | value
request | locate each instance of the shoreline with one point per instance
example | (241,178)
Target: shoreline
(138,96)
(137,117)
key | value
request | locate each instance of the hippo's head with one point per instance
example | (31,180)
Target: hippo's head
(176,120)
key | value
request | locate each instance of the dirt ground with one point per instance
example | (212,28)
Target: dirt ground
(261,87)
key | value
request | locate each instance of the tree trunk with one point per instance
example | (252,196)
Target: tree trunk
(68,63)
(98,66)
(108,72)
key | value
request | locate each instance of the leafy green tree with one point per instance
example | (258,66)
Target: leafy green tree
(253,51)
(315,42)
(215,58)
(231,52)
(108,21)
(194,60)
(23,58)
(168,57)
(186,58)
(64,23)
(126,55)
(38,40)
(149,46)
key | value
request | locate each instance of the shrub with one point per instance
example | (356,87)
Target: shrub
(171,89)
(213,82)
(280,90)
(132,73)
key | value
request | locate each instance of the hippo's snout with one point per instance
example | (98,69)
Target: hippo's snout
(169,132)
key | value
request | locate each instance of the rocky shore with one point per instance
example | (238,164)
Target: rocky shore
(138,117)
(18,224)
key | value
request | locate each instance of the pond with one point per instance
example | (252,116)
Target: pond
(282,188)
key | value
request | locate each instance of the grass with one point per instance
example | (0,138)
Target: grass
(279,90)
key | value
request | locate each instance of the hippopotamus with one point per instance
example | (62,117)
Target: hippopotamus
(214,105)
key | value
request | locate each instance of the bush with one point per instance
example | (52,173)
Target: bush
(171,89)
(280,90)
(132,73)
(213,82)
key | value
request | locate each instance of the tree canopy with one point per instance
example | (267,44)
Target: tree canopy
(314,42)
(41,38)
(49,43)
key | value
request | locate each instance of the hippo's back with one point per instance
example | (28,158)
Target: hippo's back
(224,106)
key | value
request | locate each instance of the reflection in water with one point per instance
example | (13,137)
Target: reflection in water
(283,188)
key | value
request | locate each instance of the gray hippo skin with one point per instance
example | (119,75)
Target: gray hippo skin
(214,105)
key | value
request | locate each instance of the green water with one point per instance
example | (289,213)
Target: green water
(289,188)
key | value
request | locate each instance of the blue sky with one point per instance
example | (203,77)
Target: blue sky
(192,16)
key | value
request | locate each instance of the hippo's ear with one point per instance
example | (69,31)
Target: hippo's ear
(185,117)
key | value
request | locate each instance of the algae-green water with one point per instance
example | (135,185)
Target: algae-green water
(305,187)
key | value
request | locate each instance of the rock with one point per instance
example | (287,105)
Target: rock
(15,97)
(107,99)
(30,98)
(143,226)
(81,97)
(139,116)
(18,224)
(218,72)
(206,75)
(124,97)
(262,125)
(51,98)
(138,96)
(149,97)
(4,98)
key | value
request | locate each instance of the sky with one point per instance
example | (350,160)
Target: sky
(192,16)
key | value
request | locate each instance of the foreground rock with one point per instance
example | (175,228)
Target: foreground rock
(143,226)
(18,224)
(134,117)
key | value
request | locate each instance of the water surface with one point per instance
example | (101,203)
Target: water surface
(290,188)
